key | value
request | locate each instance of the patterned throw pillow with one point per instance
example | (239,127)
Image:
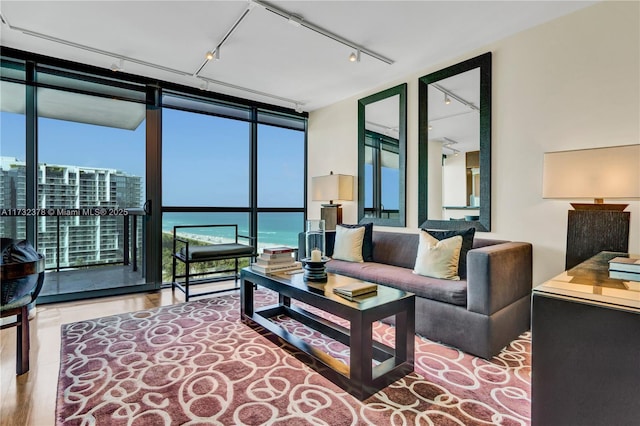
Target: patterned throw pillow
(348,245)
(438,258)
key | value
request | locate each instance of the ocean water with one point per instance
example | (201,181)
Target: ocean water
(274,229)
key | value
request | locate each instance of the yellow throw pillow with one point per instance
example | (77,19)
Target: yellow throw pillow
(438,259)
(348,245)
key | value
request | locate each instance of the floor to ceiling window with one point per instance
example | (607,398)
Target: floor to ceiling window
(381,177)
(90,180)
(280,186)
(207,177)
(12,151)
(96,149)
(91,171)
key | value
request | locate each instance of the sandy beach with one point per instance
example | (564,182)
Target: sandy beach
(210,239)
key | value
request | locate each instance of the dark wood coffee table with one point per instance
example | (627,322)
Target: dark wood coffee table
(361,378)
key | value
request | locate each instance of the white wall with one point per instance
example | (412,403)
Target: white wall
(454,175)
(568,84)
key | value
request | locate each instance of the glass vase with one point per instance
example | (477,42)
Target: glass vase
(315,240)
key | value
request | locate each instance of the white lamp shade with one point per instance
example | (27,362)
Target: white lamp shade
(332,187)
(612,172)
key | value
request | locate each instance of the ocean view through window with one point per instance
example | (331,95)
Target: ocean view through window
(77,138)
(217,160)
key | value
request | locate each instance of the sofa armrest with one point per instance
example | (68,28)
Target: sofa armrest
(498,275)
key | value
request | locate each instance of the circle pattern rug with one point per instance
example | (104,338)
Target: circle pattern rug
(196,363)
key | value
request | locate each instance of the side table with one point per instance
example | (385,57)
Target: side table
(585,331)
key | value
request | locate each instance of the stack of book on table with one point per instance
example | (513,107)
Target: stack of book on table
(275,259)
(352,290)
(628,269)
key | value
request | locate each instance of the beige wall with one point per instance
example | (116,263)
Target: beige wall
(571,83)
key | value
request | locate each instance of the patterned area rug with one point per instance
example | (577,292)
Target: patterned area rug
(196,363)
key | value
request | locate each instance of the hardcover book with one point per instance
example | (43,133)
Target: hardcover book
(356,289)
(276,256)
(276,268)
(627,264)
(623,275)
(279,261)
(277,250)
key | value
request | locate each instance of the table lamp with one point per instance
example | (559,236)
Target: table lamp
(332,188)
(598,174)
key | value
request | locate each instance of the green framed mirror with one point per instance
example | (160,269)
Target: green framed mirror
(454,151)
(382,149)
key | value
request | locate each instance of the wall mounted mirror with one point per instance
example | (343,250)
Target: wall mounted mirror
(382,148)
(455,146)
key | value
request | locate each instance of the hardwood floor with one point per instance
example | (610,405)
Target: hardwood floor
(30,399)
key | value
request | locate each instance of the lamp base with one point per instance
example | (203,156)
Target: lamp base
(592,231)
(332,215)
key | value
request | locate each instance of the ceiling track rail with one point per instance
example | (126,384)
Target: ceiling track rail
(99,51)
(297,105)
(297,20)
(216,49)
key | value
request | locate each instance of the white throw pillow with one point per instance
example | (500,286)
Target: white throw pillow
(438,259)
(348,245)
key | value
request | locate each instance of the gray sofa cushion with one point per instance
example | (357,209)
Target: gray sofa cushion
(395,248)
(217,250)
(447,291)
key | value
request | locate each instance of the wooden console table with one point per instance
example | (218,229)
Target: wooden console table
(585,331)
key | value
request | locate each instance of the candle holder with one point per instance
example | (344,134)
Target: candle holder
(314,261)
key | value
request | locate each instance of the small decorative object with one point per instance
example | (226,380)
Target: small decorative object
(314,261)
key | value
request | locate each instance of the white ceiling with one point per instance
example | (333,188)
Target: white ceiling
(266,58)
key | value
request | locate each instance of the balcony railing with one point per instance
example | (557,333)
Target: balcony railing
(69,242)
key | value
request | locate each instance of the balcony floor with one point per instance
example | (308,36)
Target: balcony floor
(68,284)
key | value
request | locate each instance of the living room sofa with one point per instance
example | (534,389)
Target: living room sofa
(479,315)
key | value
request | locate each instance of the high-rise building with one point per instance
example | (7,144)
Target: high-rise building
(71,233)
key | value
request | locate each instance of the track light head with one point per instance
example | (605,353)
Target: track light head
(294,20)
(115,67)
(217,55)
(355,56)
(209,56)
(446,99)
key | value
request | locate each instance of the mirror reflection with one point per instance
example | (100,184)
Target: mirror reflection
(382,158)
(455,146)
(381,165)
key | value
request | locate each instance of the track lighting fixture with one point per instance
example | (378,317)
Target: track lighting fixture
(294,20)
(300,21)
(448,95)
(204,85)
(118,67)
(213,54)
(430,127)
(298,108)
